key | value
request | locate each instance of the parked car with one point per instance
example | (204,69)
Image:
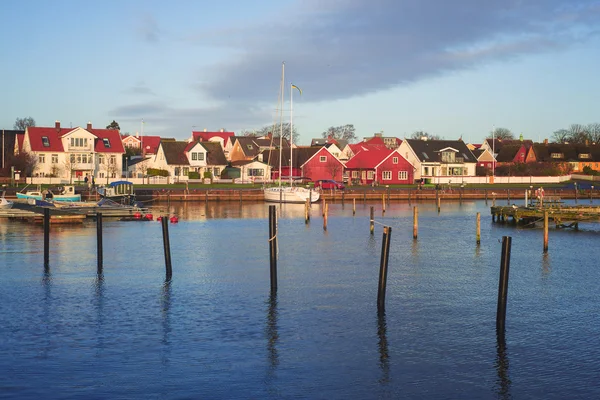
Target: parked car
(329,184)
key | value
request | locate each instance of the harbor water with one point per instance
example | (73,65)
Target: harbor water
(216,332)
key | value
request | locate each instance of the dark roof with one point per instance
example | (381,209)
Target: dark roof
(477,153)
(215,155)
(569,152)
(175,152)
(429,150)
(300,155)
(508,152)
(248,145)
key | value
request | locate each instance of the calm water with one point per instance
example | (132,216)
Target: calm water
(214,331)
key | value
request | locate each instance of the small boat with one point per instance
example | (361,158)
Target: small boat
(5,204)
(64,193)
(119,192)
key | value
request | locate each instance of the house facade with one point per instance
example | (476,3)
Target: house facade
(323,165)
(373,166)
(75,152)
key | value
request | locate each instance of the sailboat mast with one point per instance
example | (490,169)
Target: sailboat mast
(281,116)
(291,130)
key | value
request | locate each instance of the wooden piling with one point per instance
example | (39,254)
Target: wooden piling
(353,206)
(167,246)
(439,204)
(273,247)
(503,284)
(545,231)
(383,267)
(383,203)
(485,191)
(415,222)
(372,224)
(99,241)
(478,234)
(46,237)
(323,206)
(306,211)
(508,196)
(325,216)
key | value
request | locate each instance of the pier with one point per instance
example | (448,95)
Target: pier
(562,216)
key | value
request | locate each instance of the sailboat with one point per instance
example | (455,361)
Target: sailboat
(291,193)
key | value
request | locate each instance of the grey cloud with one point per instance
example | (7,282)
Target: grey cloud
(148,29)
(345,48)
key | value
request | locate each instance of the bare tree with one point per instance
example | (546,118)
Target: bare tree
(69,164)
(276,129)
(22,123)
(333,166)
(24,162)
(593,130)
(344,132)
(560,136)
(501,134)
(111,168)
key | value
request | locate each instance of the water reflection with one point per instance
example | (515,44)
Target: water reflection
(272,336)
(546,267)
(165,307)
(503,382)
(384,355)
(98,288)
(46,335)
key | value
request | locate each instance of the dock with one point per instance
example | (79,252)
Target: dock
(562,216)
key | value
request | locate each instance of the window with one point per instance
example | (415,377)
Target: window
(200,156)
(386,175)
(354,174)
(395,160)
(41,158)
(194,156)
(113,160)
(556,155)
(256,172)
(176,173)
(402,175)
(45,141)
(585,155)
(370,174)
(425,156)
(72,158)
(425,170)
(106,142)
(78,142)
(100,159)
(323,158)
(249,146)
(217,171)
(186,171)
(447,156)
(54,158)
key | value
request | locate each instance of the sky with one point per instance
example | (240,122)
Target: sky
(452,68)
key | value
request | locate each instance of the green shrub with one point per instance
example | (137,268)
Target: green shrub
(194,175)
(157,172)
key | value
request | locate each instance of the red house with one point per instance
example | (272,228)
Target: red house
(323,165)
(382,166)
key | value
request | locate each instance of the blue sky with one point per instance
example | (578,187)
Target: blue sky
(451,68)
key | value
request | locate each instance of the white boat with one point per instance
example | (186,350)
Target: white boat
(291,193)
(120,192)
(65,193)
(5,204)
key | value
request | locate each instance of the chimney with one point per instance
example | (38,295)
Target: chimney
(260,157)
(587,142)
(204,129)
(89,126)
(546,142)
(57,125)
(222,130)
(270,135)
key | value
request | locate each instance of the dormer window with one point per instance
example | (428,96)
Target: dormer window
(106,143)
(249,146)
(556,155)
(45,141)
(585,155)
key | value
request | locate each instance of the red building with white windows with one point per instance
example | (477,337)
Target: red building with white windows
(381,166)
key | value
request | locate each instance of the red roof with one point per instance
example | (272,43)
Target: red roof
(20,137)
(375,140)
(54,136)
(150,144)
(206,136)
(368,158)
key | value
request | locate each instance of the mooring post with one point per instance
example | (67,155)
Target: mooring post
(206,196)
(99,240)
(415,222)
(383,203)
(372,224)
(503,284)
(169,199)
(354,206)
(478,235)
(508,196)
(437,198)
(383,267)
(323,206)
(439,204)
(485,191)
(545,231)
(240,197)
(273,246)
(325,216)
(409,191)
(493,199)
(167,246)
(343,195)
(306,212)
(46,237)
(592,194)
(365,197)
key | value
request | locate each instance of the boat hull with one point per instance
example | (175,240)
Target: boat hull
(290,195)
(56,197)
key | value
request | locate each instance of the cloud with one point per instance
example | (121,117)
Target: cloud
(140,89)
(344,48)
(148,29)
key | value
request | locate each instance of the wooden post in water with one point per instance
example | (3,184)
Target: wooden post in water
(409,191)
(545,231)
(383,203)
(372,225)
(167,246)
(169,199)
(353,206)
(592,194)
(437,198)
(240,197)
(323,206)
(478,234)
(365,197)
(503,284)
(485,191)
(383,267)
(306,211)
(507,196)
(439,204)
(99,241)
(206,196)
(493,199)
(325,217)
(415,222)
(273,246)
(46,237)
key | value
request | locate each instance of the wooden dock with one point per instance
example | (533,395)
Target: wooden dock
(562,216)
